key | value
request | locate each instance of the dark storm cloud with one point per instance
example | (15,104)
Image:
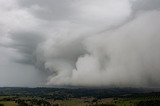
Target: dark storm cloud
(110,42)
(26,44)
(146,5)
(49,9)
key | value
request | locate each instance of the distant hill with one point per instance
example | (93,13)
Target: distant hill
(73,92)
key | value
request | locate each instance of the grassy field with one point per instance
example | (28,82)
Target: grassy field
(83,102)
(108,101)
(71,102)
(9,103)
(77,97)
(89,101)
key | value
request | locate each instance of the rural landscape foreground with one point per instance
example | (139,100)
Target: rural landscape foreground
(79,97)
(79,52)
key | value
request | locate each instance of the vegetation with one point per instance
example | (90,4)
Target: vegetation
(78,97)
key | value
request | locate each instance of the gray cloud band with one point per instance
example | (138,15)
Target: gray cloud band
(86,43)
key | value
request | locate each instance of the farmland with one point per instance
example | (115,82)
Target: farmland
(78,97)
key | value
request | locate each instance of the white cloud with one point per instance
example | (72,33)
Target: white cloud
(86,42)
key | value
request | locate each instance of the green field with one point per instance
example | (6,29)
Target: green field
(8,103)
(84,101)
(77,97)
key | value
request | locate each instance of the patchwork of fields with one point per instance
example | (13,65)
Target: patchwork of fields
(72,97)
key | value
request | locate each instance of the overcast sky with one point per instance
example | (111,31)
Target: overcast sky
(80,43)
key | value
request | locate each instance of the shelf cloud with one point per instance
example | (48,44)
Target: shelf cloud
(80,43)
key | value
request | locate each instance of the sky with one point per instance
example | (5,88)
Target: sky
(91,43)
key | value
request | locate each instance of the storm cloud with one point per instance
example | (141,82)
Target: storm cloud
(80,43)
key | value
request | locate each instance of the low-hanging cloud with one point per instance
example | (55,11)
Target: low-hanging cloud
(87,42)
